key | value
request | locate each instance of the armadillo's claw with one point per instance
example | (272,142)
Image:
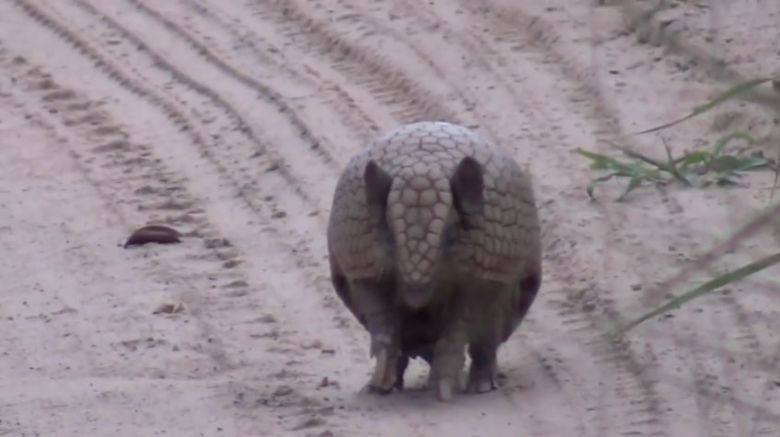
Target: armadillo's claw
(481,385)
(482,379)
(444,388)
(377,390)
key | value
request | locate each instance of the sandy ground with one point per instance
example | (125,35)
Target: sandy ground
(230,121)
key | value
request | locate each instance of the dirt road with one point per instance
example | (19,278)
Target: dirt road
(231,121)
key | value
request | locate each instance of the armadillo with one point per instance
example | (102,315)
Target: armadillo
(434,246)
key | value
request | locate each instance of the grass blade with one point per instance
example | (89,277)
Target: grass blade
(632,184)
(672,167)
(602,162)
(649,174)
(643,158)
(697,157)
(726,95)
(722,142)
(705,288)
(592,184)
(747,164)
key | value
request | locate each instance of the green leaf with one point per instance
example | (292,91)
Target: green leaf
(632,184)
(599,161)
(641,157)
(603,162)
(589,189)
(726,95)
(726,163)
(695,158)
(672,167)
(729,179)
(707,287)
(592,184)
(730,163)
(751,163)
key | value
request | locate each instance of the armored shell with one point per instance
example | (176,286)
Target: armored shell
(425,211)
(499,242)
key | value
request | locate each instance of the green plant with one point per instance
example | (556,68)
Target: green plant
(688,169)
(697,168)
(729,94)
(708,287)
(635,172)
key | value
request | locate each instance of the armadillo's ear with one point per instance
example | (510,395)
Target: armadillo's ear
(378,184)
(467,186)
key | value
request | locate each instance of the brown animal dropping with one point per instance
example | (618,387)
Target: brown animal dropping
(433,243)
(153,234)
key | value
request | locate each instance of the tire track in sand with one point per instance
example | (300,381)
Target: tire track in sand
(425,423)
(555,367)
(642,414)
(525,29)
(294,221)
(273,97)
(261,138)
(330,96)
(76,114)
(576,319)
(544,363)
(425,73)
(134,186)
(389,86)
(338,19)
(505,18)
(550,42)
(179,119)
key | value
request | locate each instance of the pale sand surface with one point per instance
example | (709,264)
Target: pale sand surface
(231,120)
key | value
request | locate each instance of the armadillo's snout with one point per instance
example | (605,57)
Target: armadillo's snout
(416,295)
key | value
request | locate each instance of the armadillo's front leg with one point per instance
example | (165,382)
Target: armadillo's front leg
(384,349)
(383,326)
(448,360)
(485,330)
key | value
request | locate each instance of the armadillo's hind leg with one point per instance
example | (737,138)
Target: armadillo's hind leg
(403,362)
(483,371)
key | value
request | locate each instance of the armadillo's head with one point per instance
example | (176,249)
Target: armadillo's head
(423,209)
